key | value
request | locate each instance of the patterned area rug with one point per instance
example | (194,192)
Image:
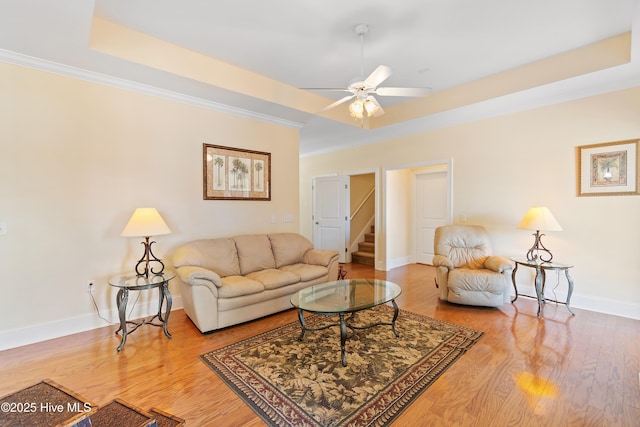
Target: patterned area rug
(303,383)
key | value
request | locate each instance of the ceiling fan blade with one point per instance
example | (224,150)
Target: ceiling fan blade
(378,75)
(403,91)
(338,102)
(326,89)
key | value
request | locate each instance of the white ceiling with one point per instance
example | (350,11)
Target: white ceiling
(435,43)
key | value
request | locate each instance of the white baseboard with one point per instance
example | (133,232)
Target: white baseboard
(606,306)
(585,302)
(46,331)
(398,262)
(37,333)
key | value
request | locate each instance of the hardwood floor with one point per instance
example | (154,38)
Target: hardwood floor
(559,370)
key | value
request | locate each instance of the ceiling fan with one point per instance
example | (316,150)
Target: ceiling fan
(362,91)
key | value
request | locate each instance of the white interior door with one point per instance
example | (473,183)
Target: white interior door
(331,213)
(432,211)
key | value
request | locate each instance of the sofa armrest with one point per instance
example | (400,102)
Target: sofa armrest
(498,264)
(321,257)
(442,261)
(199,276)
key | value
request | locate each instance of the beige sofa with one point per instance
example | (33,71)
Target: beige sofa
(227,281)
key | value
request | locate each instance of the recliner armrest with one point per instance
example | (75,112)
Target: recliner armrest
(442,261)
(498,264)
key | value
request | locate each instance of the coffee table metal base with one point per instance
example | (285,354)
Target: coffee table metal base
(344,324)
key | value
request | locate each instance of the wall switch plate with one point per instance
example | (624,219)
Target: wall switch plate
(3,228)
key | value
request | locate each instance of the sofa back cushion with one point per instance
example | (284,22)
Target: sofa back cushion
(289,248)
(218,255)
(254,253)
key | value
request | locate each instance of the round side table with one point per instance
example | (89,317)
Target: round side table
(133,282)
(541,268)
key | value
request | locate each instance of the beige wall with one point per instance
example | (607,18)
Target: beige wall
(398,219)
(504,165)
(77,158)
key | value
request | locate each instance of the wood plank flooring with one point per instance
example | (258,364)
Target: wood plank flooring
(559,370)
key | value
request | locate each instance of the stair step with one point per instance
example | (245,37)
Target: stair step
(370,237)
(365,258)
(367,247)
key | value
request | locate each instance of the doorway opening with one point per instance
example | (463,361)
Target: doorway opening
(362,217)
(344,214)
(416,200)
(395,225)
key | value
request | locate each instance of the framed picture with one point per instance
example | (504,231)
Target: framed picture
(608,169)
(235,174)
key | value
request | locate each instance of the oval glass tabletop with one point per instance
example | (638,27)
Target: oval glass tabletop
(345,296)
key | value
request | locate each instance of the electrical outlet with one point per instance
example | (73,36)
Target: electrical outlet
(90,286)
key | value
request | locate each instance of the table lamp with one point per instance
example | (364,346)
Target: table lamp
(146,222)
(539,218)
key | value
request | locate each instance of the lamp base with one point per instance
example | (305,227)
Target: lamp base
(148,257)
(534,254)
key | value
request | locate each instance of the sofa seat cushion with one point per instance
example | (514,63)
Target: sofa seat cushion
(306,272)
(465,280)
(274,279)
(237,286)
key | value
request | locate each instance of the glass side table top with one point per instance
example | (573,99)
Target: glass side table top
(132,281)
(546,265)
(345,296)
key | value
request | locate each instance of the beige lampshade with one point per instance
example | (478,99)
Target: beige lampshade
(145,222)
(539,218)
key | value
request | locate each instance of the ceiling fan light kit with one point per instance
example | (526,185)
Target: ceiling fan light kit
(364,104)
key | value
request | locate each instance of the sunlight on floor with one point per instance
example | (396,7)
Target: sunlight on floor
(536,387)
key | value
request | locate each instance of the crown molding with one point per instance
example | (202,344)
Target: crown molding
(106,80)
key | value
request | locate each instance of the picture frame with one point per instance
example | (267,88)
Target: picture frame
(608,169)
(231,173)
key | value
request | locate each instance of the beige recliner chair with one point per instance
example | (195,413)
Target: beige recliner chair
(467,272)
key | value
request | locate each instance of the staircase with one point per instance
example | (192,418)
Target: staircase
(366,253)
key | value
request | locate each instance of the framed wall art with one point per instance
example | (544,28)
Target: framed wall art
(235,174)
(608,169)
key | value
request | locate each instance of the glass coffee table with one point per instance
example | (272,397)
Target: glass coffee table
(344,297)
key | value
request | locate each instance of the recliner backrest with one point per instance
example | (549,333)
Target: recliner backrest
(467,246)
